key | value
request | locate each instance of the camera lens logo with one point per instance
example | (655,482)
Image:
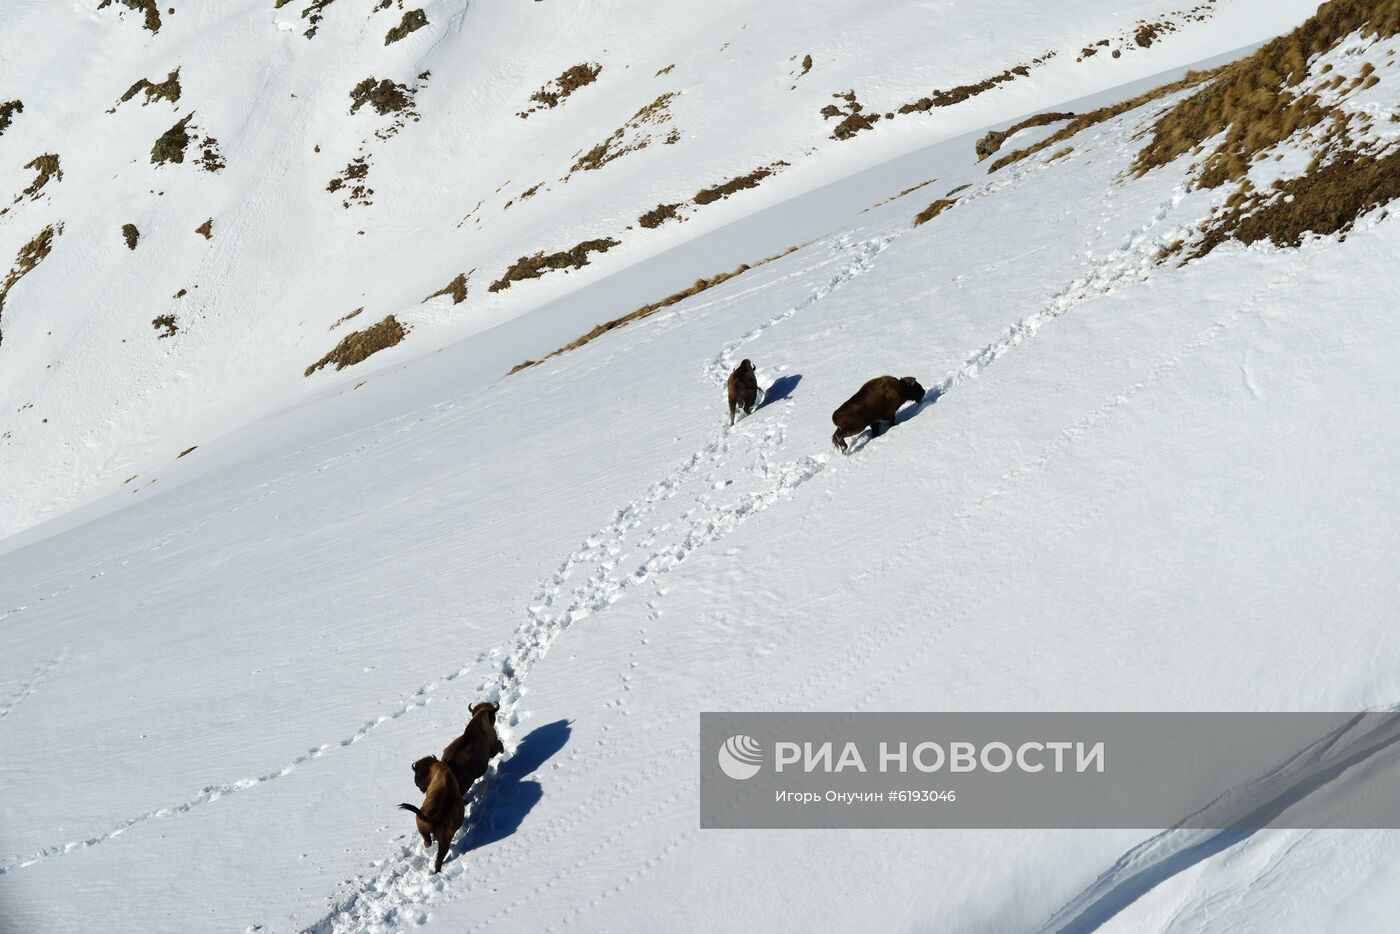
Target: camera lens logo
(740,757)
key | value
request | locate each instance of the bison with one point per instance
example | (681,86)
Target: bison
(743,389)
(469,754)
(877,401)
(443,812)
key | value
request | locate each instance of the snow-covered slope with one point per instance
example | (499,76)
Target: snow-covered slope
(1146,476)
(92,394)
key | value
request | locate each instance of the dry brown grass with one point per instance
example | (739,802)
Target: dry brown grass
(347,316)
(532,267)
(910,190)
(171,145)
(616,146)
(358,346)
(989,144)
(384,96)
(413,20)
(700,286)
(1327,200)
(206,229)
(659,215)
(456,289)
(131,235)
(555,92)
(8,109)
(352,180)
(1094,117)
(854,119)
(741,183)
(167,90)
(933,210)
(1258,102)
(313,15)
(30,255)
(1252,101)
(165,324)
(960,93)
(46,168)
(189,450)
(147,8)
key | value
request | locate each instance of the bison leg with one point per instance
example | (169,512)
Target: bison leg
(839,441)
(731,413)
(444,841)
(427,839)
(875,429)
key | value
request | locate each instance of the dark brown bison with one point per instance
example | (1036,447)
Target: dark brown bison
(469,754)
(743,389)
(877,401)
(443,812)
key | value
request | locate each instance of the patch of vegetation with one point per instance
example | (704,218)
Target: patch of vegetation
(1094,117)
(206,229)
(658,215)
(167,90)
(189,450)
(352,178)
(665,71)
(358,346)
(854,119)
(313,15)
(456,289)
(45,168)
(1251,101)
(630,137)
(960,93)
(383,95)
(131,235)
(170,147)
(933,210)
(150,12)
(346,317)
(909,190)
(725,189)
(412,21)
(30,255)
(1327,200)
(210,159)
(699,286)
(555,92)
(1264,99)
(989,144)
(806,65)
(165,324)
(8,109)
(532,267)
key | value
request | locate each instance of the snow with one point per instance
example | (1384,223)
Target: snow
(1132,486)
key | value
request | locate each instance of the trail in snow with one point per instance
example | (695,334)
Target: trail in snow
(25,688)
(401,888)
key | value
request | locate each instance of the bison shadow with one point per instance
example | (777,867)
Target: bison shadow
(781,389)
(512,797)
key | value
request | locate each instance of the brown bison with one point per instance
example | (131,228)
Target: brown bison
(877,401)
(443,812)
(743,389)
(469,754)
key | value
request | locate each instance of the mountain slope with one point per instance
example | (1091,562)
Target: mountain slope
(437,178)
(1145,477)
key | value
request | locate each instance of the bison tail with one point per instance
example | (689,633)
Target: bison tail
(409,807)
